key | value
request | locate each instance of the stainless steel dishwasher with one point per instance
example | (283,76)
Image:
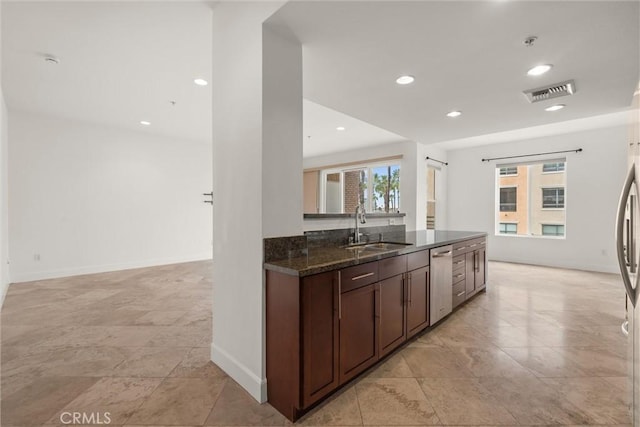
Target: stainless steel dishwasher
(441,283)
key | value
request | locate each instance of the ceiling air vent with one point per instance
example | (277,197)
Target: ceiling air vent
(549,92)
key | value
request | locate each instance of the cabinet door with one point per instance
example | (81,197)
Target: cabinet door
(320,336)
(359,313)
(392,325)
(481,260)
(417,300)
(470,272)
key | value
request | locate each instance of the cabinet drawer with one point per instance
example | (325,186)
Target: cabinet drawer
(476,244)
(393,266)
(458,275)
(458,263)
(461,248)
(417,260)
(358,276)
(459,294)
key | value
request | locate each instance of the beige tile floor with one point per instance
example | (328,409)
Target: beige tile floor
(542,346)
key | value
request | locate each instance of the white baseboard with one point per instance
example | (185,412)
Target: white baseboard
(254,385)
(598,268)
(92,269)
(3,292)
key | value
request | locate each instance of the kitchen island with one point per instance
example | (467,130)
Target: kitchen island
(333,310)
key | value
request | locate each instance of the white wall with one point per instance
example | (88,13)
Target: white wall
(5,277)
(243,127)
(413,177)
(594,179)
(425,151)
(281,135)
(88,198)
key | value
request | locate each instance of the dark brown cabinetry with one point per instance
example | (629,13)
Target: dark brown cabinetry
(358,330)
(323,330)
(358,314)
(469,266)
(393,327)
(320,336)
(459,279)
(302,339)
(476,260)
(481,260)
(417,300)
(393,330)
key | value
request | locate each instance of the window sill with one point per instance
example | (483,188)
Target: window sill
(531,236)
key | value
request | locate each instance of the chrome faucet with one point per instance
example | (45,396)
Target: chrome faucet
(360,219)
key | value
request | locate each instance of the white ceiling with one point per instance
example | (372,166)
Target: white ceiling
(322,137)
(120,63)
(123,62)
(465,56)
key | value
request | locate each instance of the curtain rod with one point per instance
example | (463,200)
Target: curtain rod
(578,150)
(436,160)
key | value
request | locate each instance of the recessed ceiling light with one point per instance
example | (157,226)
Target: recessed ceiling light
(555,107)
(405,80)
(145,123)
(454,113)
(340,128)
(539,70)
(201,82)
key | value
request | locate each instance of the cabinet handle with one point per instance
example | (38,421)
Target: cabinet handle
(459,262)
(409,289)
(457,276)
(476,262)
(339,295)
(362,276)
(378,294)
(474,245)
(461,293)
(441,254)
(404,298)
(461,248)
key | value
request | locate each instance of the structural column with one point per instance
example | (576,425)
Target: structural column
(257,176)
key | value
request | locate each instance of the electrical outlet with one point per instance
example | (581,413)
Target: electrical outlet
(392,221)
(36,257)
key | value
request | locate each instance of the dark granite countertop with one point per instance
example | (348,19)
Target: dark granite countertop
(350,215)
(321,259)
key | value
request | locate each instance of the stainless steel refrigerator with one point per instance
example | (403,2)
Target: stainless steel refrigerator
(627,240)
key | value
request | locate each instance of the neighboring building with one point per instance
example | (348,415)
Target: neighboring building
(547,199)
(512,212)
(532,199)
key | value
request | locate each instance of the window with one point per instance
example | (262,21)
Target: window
(508,228)
(431,197)
(376,187)
(531,202)
(385,188)
(553,198)
(355,189)
(512,170)
(552,230)
(508,199)
(553,167)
